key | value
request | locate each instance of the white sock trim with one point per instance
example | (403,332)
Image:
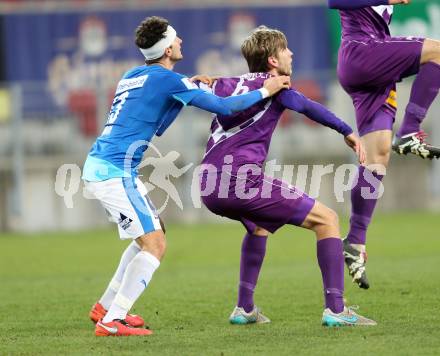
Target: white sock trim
(123,302)
(114,285)
(155,263)
(135,245)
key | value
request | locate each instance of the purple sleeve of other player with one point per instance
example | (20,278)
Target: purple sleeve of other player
(354,4)
(293,100)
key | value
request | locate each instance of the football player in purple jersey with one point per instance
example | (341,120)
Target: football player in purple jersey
(233,183)
(370,63)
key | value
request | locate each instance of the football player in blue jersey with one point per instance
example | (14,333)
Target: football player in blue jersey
(147,100)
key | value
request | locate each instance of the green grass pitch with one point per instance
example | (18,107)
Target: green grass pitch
(48,283)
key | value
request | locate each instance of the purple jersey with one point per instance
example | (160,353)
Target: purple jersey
(371,22)
(246,135)
(371,62)
(246,138)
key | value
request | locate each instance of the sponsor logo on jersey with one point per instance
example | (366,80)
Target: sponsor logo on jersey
(132,83)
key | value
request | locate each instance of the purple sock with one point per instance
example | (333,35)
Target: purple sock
(331,263)
(361,208)
(423,92)
(253,250)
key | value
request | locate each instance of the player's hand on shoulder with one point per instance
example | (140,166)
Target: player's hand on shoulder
(399,2)
(354,142)
(274,84)
(205,79)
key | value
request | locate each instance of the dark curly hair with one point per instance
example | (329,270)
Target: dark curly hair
(149,32)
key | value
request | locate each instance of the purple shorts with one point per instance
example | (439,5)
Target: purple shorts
(368,70)
(382,119)
(256,201)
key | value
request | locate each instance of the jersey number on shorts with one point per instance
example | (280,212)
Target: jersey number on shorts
(117,104)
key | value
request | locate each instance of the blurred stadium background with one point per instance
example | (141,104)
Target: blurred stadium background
(60,62)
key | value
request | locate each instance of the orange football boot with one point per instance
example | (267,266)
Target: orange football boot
(119,328)
(98,312)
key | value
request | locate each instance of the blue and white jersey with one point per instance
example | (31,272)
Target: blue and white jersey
(147,101)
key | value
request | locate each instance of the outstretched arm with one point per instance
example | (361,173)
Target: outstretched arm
(293,100)
(355,4)
(229,105)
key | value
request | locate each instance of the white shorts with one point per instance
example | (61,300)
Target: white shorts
(127,204)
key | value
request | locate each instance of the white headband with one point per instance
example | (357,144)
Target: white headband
(159,47)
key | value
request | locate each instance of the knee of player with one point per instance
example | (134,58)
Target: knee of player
(435,44)
(331,218)
(259,231)
(430,51)
(161,244)
(380,157)
(154,243)
(383,154)
(327,220)
(436,57)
